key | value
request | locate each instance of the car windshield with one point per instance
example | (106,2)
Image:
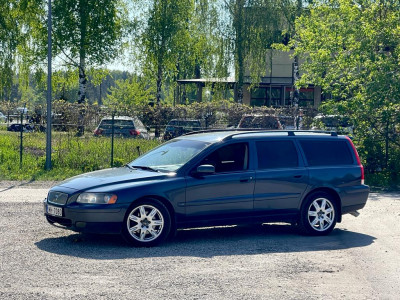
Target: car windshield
(170,156)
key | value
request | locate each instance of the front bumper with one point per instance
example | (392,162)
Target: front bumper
(86,218)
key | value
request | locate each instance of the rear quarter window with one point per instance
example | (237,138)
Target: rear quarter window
(327,153)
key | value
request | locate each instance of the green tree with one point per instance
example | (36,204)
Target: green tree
(179,39)
(256,25)
(352,50)
(88,33)
(162,37)
(127,94)
(21,34)
(198,50)
(97,77)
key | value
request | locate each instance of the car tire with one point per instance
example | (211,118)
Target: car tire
(147,223)
(318,214)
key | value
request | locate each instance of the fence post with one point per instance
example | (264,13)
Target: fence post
(112,139)
(20,144)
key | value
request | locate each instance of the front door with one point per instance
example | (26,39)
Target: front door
(226,194)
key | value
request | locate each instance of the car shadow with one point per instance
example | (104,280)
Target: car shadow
(207,242)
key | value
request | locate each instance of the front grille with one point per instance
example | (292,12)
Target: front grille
(57,198)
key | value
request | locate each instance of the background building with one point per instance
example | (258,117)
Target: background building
(274,89)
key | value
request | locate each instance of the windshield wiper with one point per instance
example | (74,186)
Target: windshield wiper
(129,166)
(145,168)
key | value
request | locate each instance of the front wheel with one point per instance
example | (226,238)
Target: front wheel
(318,214)
(147,223)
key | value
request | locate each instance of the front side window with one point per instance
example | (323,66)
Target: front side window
(230,158)
(277,154)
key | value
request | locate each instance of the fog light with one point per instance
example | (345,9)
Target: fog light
(80,224)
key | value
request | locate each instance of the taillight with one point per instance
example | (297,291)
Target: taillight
(98,131)
(134,132)
(362,174)
(358,160)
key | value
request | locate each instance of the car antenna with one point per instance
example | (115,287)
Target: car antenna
(138,150)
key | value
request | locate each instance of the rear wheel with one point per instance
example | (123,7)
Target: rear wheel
(147,223)
(318,214)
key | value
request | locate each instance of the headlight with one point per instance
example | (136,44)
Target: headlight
(57,198)
(97,198)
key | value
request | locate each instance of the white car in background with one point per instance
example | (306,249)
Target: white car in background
(3,118)
(336,123)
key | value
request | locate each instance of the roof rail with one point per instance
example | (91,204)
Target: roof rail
(257,130)
(289,132)
(216,130)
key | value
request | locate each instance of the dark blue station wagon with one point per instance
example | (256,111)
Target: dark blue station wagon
(217,178)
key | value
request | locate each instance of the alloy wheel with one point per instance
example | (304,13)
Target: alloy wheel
(145,223)
(321,214)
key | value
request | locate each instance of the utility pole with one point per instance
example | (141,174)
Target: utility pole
(48,127)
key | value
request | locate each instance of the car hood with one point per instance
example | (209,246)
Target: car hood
(106,177)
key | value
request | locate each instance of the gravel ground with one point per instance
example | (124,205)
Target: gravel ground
(359,260)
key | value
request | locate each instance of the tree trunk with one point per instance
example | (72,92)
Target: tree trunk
(159,83)
(82,66)
(81,96)
(239,48)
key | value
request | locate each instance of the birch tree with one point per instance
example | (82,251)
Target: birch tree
(21,34)
(161,38)
(8,45)
(87,33)
(256,25)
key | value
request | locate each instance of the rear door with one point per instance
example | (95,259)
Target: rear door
(281,177)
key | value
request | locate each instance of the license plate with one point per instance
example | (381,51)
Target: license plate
(54,211)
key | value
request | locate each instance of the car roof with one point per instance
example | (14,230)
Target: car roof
(197,120)
(119,118)
(213,136)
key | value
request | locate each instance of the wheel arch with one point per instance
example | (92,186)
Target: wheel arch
(335,196)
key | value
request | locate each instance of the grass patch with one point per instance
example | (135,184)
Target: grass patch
(70,155)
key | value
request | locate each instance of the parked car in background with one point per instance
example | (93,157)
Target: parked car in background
(289,123)
(17,128)
(258,121)
(22,110)
(178,127)
(214,178)
(124,126)
(3,118)
(336,123)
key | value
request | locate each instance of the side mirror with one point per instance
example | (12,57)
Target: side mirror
(204,170)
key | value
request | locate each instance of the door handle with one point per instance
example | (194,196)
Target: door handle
(246,179)
(298,176)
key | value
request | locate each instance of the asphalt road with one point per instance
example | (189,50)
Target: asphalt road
(359,260)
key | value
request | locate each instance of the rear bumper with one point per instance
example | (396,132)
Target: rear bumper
(354,198)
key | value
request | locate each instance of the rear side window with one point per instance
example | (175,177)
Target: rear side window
(277,154)
(327,153)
